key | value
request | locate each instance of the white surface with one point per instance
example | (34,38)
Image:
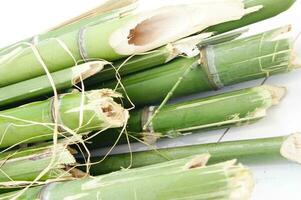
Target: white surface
(282,180)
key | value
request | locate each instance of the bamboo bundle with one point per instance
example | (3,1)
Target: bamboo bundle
(224,110)
(218,65)
(187,178)
(79,112)
(122,37)
(20,167)
(246,151)
(39,86)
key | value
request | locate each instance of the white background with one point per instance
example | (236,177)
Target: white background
(281,180)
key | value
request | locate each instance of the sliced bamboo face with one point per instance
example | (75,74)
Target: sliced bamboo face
(186,178)
(78,113)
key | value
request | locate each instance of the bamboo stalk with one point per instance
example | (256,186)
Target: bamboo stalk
(19,168)
(93,110)
(40,86)
(187,178)
(218,65)
(230,109)
(114,39)
(224,110)
(246,151)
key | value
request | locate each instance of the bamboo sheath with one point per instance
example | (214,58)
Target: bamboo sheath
(246,151)
(186,178)
(93,110)
(218,65)
(118,38)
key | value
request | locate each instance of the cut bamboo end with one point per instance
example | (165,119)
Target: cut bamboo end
(295,60)
(155,28)
(277,93)
(291,148)
(242,182)
(86,70)
(113,114)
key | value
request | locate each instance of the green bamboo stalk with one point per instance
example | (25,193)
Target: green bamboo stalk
(93,110)
(187,178)
(19,168)
(224,110)
(40,86)
(219,65)
(246,151)
(117,38)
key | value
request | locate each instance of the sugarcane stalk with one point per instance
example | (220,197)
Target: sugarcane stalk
(20,167)
(218,65)
(78,112)
(118,38)
(246,151)
(187,178)
(40,86)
